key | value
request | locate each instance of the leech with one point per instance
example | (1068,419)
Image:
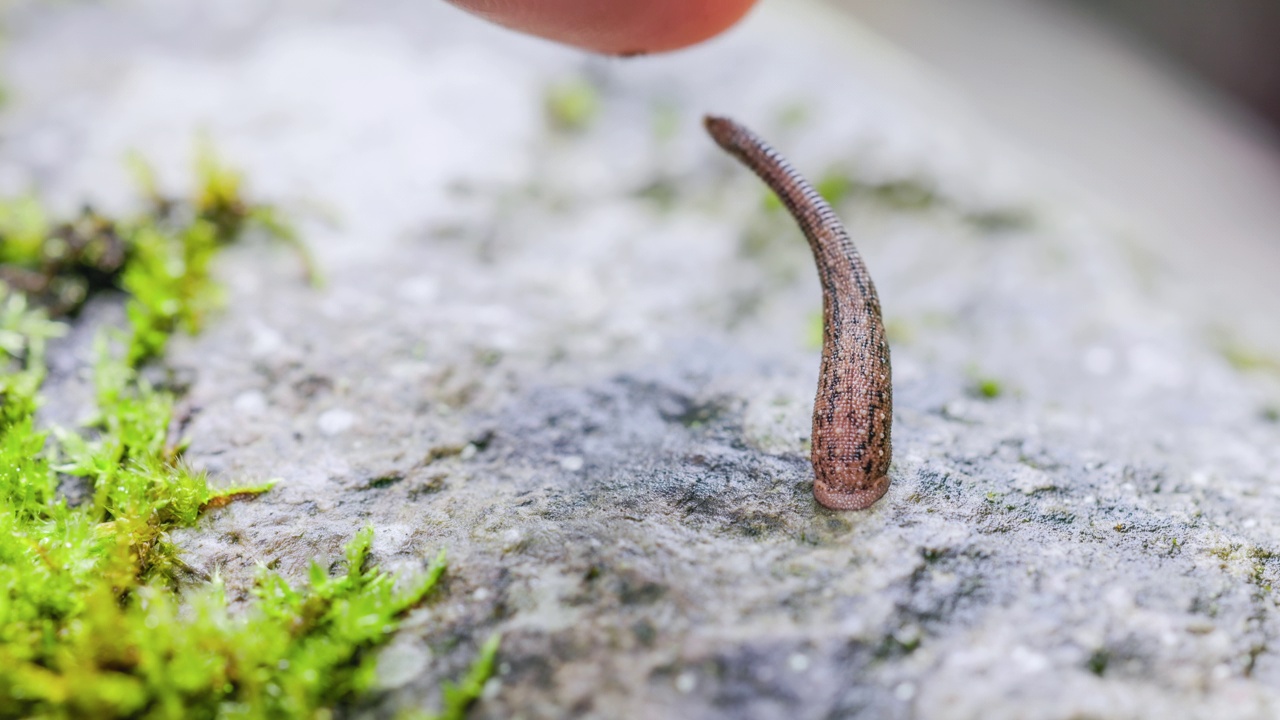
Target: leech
(853,410)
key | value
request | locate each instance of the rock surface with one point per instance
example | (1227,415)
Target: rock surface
(581,358)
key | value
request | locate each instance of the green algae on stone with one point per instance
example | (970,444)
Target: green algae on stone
(987,388)
(91,620)
(1244,358)
(172,247)
(572,104)
(160,257)
(459,696)
(99,615)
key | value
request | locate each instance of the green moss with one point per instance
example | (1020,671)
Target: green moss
(1098,661)
(57,265)
(814,331)
(1224,552)
(840,183)
(23,335)
(24,228)
(161,257)
(770,202)
(1001,220)
(172,248)
(295,652)
(665,120)
(899,331)
(835,187)
(99,616)
(572,105)
(1246,359)
(794,115)
(92,623)
(458,697)
(983,386)
(986,388)
(899,644)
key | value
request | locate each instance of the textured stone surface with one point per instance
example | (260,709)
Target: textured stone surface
(583,362)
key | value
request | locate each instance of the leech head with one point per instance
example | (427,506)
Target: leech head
(718,127)
(853,410)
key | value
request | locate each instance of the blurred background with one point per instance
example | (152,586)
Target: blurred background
(1169,111)
(1229,44)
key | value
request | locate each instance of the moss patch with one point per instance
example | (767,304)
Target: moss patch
(572,105)
(99,615)
(160,257)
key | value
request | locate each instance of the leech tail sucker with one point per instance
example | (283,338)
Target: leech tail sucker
(853,410)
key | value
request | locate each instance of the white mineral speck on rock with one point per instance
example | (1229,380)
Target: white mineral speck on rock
(686,682)
(265,340)
(419,289)
(401,662)
(335,421)
(1155,368)
(1029,661)
(1029,480)
(251,403)
(572,463)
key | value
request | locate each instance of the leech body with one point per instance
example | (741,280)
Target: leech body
(853,410)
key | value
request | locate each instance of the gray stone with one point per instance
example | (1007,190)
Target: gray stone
(582,363)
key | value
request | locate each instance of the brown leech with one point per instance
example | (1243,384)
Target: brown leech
(853,411)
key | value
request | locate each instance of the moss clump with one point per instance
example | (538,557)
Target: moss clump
(842,183)
(983,386)
(987,388)
(815,330)
(1098,661)
(77,580)
(1246,359)
(160,257)
(838,185)
(458,697)
(572,105)
(58,266)
(95,617)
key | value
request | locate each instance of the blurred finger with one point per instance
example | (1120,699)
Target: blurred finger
(614,27)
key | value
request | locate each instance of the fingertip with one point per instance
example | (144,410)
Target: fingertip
(635,27)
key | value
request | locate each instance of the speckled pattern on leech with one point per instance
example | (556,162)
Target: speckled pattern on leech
(853,410)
